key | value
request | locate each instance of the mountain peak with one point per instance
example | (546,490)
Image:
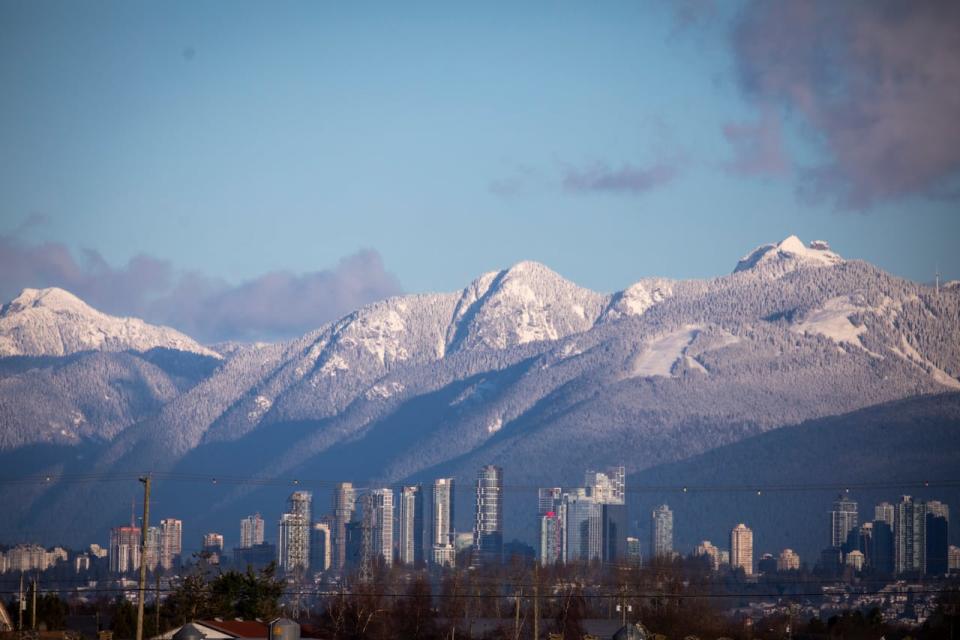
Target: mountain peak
(55,322)
(51,297)
(528,302)
(787,255)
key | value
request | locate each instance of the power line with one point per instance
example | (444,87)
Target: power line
(319,483)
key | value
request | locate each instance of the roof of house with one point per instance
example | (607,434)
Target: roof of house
(238,628)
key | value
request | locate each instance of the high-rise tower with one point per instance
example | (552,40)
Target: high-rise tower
(381,502)
(661,532)
(293,550)
(741,548)
(344,504)
(251,531)
(411,542)
(843,520)
(488,520)
(171,542)
(909,536)
(442,532)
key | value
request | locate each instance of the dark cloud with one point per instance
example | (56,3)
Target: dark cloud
(275,305)
(876,83)
(626,179)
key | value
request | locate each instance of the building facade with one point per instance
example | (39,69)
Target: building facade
(251,531)
(443,536)
(661,532)
(843,519)
(788,560)
(741,548)
(909,536)
(344,505)
(381,501)
(171,542)
(293,541)
(410,538)
(488,517)
(124,549)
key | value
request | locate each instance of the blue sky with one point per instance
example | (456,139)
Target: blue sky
(610,141)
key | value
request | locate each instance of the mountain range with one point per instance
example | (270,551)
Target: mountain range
(521,368)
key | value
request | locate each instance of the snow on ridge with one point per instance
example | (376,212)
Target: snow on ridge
(54,322)
(787,255)
(636,299)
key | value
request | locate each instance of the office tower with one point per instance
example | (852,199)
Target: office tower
(488,517)
(712,553)
(661,532)
(124,549)
(251,531)
(292,553)
(548,499)
(608,490)
(909,536)
(411,526)
(344,504)
(550,549)
(882,547)
(212,548)
(864,535)
(442,532)
(293,541)
(213,542)
(321,545)
(152,548)
(381,502)
(767,564)
(634,553)
(550,525)
(843,519)
(583,529)
(937,518)
(171,533)
(741,548)
(606,487)
(884,512)
(953,558)
(938,509)
(788,560)
(855,559)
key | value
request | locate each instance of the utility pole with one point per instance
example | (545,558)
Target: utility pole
(536,601)
(157,601)
(516,616)
(142,592)
(33,608)
(21,605)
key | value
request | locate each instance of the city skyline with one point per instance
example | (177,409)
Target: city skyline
(573,526)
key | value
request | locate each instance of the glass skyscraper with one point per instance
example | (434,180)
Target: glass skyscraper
(488,521)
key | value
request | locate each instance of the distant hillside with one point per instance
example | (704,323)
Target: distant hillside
(899,442)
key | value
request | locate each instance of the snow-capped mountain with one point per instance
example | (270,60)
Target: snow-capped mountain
(521,368)
(54,322)
(788,255)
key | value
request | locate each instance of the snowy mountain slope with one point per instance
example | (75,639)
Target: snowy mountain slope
(525,369)
(54,322)
(787,255)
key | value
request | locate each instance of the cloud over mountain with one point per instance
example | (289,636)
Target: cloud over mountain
(277,304)
(876,83)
